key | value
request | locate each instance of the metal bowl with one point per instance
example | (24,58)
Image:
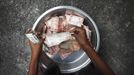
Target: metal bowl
(79,59)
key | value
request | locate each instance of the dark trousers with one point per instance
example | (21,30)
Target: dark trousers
(53,69)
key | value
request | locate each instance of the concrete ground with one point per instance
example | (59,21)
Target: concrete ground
(114,18)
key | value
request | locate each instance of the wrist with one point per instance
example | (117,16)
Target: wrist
(87,47)
(36,50)
(35,54)
(34,58)
(86,44)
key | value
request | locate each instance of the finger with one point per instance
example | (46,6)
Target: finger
(43,36)
(74,35)
(72,30)
(79,28)
(28,30)
(44,28)
(42,41)
(37,33)
(76,32)
(40,36)
(30,43)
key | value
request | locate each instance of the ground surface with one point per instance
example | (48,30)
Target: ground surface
(114,18)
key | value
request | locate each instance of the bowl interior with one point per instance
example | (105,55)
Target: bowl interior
(60,12)
(76,60)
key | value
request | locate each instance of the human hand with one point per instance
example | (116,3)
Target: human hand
(36,48)
(80,34)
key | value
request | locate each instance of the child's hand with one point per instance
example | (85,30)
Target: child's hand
(80,34)
(36,48)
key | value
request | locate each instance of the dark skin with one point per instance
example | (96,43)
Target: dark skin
(80,35)
(36,50)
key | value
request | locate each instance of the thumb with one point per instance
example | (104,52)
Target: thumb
(42,40)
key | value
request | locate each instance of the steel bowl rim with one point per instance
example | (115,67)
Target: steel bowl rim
(85,14)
